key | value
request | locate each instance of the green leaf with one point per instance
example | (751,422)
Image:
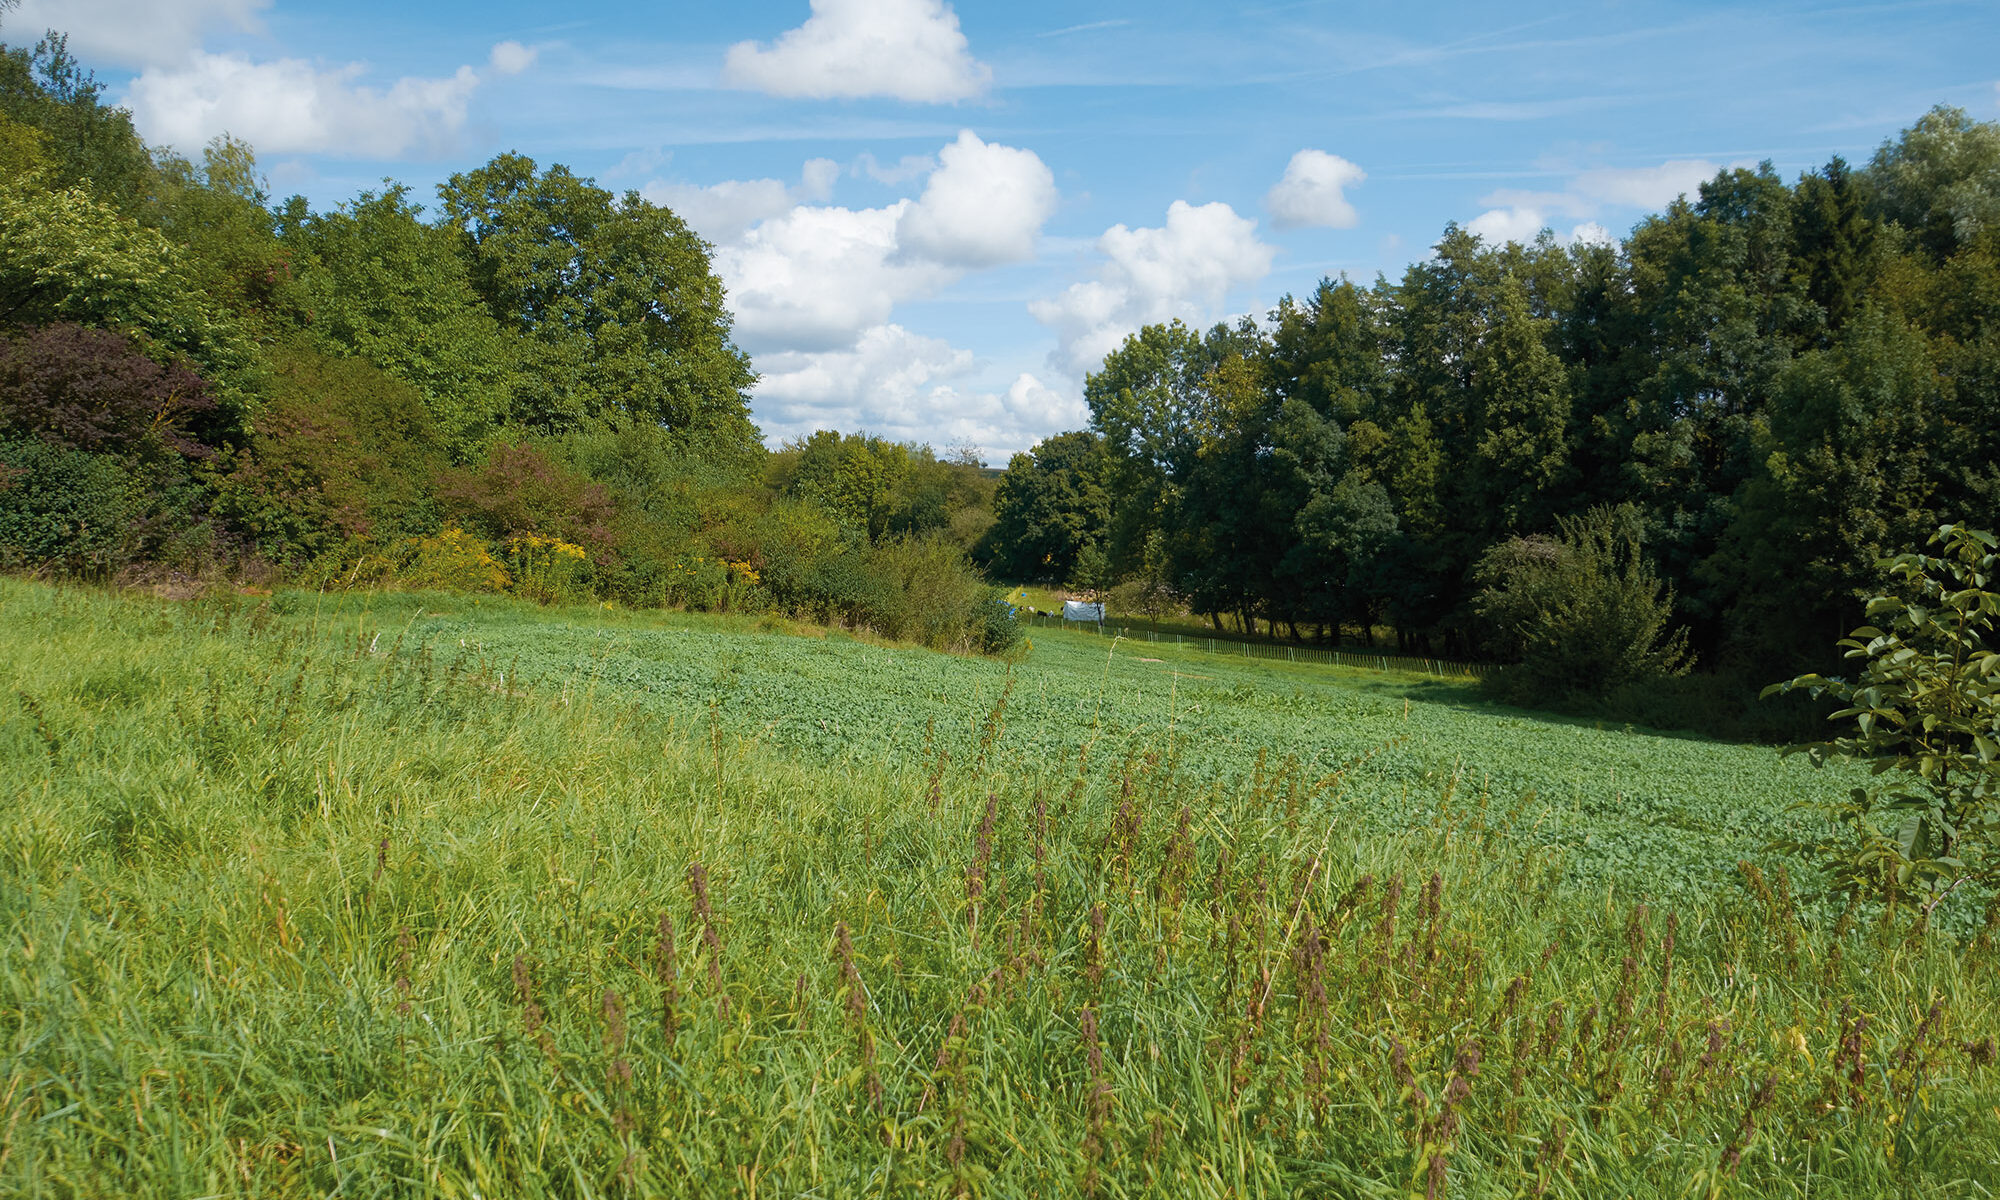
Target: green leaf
(1913,837)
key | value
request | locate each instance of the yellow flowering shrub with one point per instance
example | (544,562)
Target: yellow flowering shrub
(548,570)
(451,560)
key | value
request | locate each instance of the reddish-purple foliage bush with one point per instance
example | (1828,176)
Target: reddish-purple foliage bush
(97,391)
(338,450)
(520,490)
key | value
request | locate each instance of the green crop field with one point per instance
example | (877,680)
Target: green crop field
(408,895)
(1664,817)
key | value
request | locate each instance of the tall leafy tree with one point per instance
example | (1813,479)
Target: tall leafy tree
(217,211)
(87,143)
(1519,423)
(1226,529)
(1834,242)
(623,318)
(1339,527)
(1940,180)
(375,281)
(1327,351)
(1845,478)
(1150,404)
(859,479)
(1052,502)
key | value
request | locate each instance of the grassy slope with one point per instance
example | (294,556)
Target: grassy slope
(1664,816)
(265,882)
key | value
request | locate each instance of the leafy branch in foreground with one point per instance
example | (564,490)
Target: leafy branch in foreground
(1926,706)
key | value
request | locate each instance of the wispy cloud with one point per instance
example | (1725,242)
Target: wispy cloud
(1085,27)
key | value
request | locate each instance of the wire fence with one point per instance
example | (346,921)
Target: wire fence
(1233,648)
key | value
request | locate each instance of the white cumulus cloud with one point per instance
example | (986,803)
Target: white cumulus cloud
(816,277)
(1036,407)
(903,170)
(1590,233)
(984,205)
(1313,192)
(1646,187)
(291,106)
(879,383)
(906,49)
(812,277)
(1185,269)
(909,387)
(722,212)
(815,286)
(137,33)
(1514,223)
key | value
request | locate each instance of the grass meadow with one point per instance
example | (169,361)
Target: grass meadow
(410,896)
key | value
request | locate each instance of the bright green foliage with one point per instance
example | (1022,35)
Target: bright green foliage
(377,283)
(352,903)
(85,142)
(1941,179)
(216,214)
(64,256)
(1148,401)
(22,149)
(1926,705)
(1151,406)
(857,478)
(624,322)
(1583,614)
(878,489)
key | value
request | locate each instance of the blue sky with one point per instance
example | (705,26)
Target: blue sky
(934,218)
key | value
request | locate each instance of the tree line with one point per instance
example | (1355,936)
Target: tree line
(529,386)
(1732,414)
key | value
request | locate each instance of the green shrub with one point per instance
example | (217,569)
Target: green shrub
(1581,615)
(341,451)
(934,593)
(661,565)
(520,489)
(998,629)
(65,510)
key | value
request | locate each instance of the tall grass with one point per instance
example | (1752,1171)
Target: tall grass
(296,906)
